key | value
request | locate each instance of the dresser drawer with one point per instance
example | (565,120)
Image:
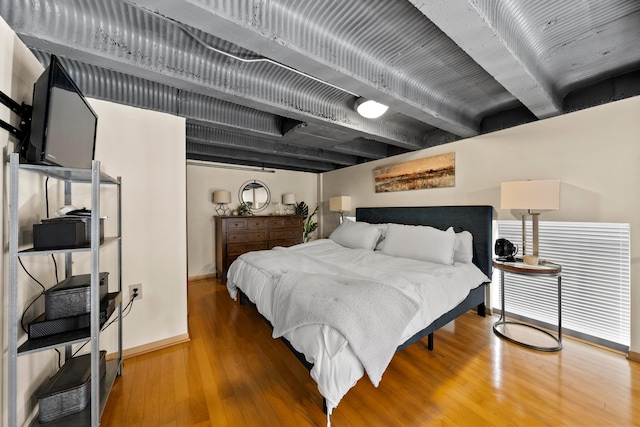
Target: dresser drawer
(235,249)
(285,233)
(283,222)
(257,223)
(236,224)
(247,236)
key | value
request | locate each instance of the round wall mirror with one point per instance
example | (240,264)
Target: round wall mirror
(255,194)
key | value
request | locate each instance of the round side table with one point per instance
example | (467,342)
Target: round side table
(548,269)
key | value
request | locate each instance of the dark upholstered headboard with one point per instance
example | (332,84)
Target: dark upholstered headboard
(475,219)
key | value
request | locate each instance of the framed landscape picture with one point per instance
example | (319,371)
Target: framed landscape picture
(429,172)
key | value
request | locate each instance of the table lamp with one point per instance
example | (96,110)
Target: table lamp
(221,198)
(340,204)
(288,200)
(532,197)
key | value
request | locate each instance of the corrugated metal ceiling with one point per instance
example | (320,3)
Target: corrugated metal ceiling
(273,82)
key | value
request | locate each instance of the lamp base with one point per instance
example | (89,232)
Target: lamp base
(535,216)
(222,209)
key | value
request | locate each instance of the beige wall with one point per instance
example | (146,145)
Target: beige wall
(147,150)
(595,154)
(202,181)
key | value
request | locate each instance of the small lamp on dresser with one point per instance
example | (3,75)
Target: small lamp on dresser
(222,198)
(340,204)
(289,201)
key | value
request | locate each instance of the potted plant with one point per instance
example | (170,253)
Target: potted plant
(244,209)
(309,226)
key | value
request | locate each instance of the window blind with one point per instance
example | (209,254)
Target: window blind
(595,259)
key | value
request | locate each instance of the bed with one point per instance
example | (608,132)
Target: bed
(396,291)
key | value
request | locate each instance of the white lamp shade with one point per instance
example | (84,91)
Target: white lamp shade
(222,196)
(532,195)
(370,109)
(340,203)
(288,199)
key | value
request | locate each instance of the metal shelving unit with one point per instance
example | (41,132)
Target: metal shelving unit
(100,387)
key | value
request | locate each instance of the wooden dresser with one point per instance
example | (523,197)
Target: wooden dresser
(236,235)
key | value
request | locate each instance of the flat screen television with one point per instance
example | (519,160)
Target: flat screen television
(63,124)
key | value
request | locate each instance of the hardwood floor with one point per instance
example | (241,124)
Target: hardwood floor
(232,373)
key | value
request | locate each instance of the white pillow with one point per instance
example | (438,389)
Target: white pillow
(463,251)
(420,242)
(356,235)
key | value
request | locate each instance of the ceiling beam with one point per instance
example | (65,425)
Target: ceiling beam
(196,148)
(498,53)
(224,138)
(364,148)
(261,167)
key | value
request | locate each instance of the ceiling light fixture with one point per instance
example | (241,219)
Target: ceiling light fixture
(370,109)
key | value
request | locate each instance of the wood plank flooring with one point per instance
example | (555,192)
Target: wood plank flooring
(232,373)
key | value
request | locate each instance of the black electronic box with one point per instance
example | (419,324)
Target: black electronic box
(64,233)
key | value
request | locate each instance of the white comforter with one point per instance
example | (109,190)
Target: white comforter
(436,287)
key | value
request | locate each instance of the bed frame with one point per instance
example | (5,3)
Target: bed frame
(475,219)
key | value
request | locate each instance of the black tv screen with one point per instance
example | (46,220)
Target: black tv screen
(63,124)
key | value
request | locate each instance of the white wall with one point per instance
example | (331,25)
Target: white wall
(146,149)
(594,152)
(202,181)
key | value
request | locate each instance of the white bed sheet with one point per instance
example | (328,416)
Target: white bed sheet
(336,369)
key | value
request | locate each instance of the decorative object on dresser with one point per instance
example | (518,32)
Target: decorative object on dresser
(244,210)
(340,204)
(530,196)
(276,209)
(222,198)
(289,202)
(235,236)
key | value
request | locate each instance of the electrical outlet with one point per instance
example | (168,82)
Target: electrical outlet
(137,286)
